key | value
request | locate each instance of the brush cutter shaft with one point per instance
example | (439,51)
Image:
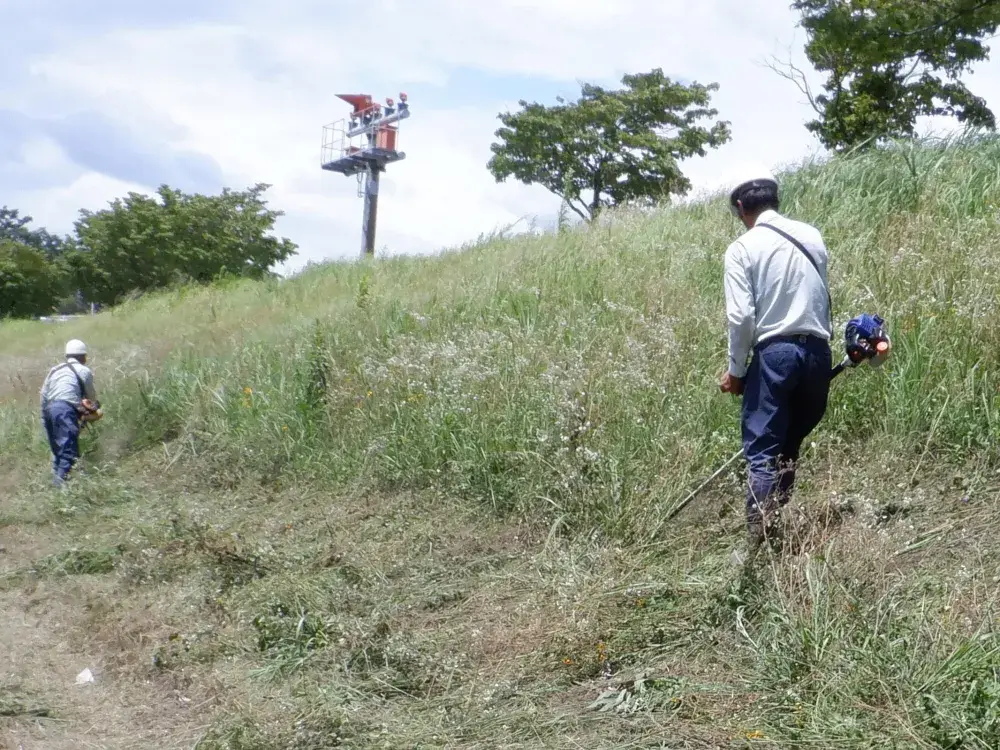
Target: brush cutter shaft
(847,362)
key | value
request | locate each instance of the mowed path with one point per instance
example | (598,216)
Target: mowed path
(44,645)
(476,615)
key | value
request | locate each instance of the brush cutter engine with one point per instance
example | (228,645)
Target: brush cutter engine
(866,340)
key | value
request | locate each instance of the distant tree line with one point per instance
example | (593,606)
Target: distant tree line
(886,63)
(136,245)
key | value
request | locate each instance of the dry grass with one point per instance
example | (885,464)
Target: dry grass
(434,626)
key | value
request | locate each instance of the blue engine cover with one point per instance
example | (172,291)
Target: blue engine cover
(860,335)
(864,326)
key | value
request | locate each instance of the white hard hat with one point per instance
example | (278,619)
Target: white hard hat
(76,348)
(755,177)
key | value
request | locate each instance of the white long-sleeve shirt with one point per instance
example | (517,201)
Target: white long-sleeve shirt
(62,385)
(772,289)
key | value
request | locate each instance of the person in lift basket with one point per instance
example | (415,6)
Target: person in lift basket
(778,311)
(69,399)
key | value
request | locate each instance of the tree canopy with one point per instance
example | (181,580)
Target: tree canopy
(30,283)
(14,227)
(140,243)
(610,146)
(889,62)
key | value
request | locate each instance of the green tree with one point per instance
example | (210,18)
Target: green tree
(888,62)
(30,284)
(14,227)
(140,243)
(610,146)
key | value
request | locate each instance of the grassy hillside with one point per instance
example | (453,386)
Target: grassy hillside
(419,503)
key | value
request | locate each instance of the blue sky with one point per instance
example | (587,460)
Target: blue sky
(103,97)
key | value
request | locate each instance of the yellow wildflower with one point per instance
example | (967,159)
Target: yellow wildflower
(602,654)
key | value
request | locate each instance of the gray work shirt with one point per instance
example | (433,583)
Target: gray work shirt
(772,289)
(61,384)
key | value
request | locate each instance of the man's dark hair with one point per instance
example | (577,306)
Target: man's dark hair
(759,198)
(756,196)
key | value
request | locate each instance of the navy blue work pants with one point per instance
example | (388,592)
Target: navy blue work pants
(784,399)
(62,426)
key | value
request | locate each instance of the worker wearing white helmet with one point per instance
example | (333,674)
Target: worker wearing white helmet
(68,397)
(778,311)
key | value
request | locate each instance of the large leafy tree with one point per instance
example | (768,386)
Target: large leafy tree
(16,228)
(30,283)
(889,62)
(141,243)
(610,146)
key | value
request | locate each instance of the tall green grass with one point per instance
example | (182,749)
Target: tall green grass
(570,374)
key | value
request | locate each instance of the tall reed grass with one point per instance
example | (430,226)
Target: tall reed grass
(572,373)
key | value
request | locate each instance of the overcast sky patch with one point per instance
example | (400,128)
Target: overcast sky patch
(105,97)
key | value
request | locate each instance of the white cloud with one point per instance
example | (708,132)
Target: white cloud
(253,93)
(91,190)
(39,160)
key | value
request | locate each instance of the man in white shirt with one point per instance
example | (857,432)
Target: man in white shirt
(65,387)
(778,309)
